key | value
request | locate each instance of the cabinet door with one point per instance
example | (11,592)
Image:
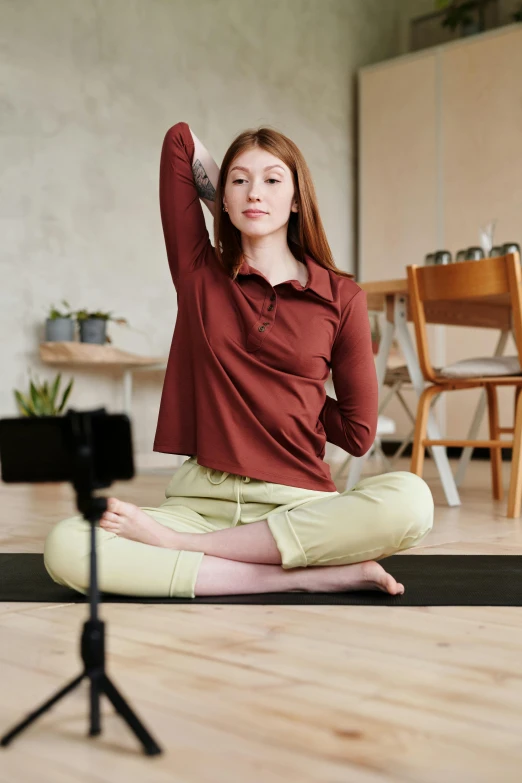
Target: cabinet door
(481,130)
(397,179)
(397,166)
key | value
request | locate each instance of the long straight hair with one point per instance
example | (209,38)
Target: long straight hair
(306,234)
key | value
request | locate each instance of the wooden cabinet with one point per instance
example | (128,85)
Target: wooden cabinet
(440,156)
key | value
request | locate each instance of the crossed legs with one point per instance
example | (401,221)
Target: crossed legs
(243,559)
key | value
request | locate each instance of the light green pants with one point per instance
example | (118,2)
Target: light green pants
(381,515)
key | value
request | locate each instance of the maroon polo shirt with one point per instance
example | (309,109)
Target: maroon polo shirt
(244,386)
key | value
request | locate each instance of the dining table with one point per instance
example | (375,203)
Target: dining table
(392,298)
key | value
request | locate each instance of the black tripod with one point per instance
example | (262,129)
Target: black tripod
(93,636)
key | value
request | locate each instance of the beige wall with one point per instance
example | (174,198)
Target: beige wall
(90,89)
(408,10)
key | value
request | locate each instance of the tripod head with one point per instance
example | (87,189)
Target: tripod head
(90,449)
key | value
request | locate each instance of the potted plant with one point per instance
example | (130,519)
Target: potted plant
(59,325)
(42,401)
(93,326)
(467,15)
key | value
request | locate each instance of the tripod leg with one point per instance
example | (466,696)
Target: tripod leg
(95,727)
(6,739)
(120,705)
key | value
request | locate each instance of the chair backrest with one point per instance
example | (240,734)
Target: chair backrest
(467,280)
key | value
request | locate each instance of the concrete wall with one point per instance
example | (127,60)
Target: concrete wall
(89,89)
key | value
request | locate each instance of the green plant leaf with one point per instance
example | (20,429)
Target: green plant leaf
(33,410)
(35,397)
(54,390)
(23,404)
(47,408)
(44,404)
(54,312)
(66,395)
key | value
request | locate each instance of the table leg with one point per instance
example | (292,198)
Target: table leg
(479,413)
(381,360)
(439,452)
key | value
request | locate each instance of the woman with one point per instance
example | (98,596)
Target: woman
(263,317)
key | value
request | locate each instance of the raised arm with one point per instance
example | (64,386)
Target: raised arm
(350,421)
(183,181)
(206,173)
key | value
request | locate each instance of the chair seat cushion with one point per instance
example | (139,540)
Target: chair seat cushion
(400,373)
(482,366)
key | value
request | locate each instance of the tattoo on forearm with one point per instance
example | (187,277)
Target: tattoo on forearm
(204,186)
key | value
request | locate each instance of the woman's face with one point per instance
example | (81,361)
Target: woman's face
(257,180)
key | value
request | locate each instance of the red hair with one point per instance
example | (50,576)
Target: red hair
(306,234)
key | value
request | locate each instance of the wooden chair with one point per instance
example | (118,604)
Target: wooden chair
(495,280)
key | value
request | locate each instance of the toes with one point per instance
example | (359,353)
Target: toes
(110,521)
(109,526)
(120,507)
(109,516)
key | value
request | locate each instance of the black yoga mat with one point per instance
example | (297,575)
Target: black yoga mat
(429,580)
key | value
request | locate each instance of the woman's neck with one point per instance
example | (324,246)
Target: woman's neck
(274,260)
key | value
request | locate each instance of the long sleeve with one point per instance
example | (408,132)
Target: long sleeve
(350,421)
(186,236)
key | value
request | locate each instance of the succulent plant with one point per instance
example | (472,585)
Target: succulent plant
(459,13)
(42,401)
(54,313)
(82,315)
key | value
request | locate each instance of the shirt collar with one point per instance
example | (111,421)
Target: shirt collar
(318,278)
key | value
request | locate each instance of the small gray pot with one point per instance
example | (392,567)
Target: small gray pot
(59,330)
(93,330)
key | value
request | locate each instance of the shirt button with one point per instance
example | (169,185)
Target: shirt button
(261,329)
(272,298)
(271,307)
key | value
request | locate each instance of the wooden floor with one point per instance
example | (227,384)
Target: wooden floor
(271,694)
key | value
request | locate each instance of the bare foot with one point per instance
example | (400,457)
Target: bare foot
(129,521)
(368,575)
